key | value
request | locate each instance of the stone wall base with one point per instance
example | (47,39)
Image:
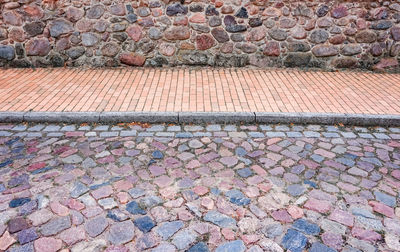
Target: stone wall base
(233,33)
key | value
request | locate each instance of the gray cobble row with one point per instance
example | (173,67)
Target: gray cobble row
(216,130)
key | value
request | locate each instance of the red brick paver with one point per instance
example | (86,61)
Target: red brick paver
(198,89)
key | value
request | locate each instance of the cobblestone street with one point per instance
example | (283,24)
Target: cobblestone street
(161,188)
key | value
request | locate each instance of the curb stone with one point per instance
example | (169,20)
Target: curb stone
(150,117)
(65,117)
(201,117)
(216,117)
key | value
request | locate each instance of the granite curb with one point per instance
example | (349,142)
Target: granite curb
(201,117)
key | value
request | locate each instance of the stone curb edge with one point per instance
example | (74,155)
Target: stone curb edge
(200,117)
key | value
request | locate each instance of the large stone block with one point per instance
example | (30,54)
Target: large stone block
(38,47)
(297,59)
(7,52)
(325,50)
(132,59)
(204,41)
(59,27)
(34,28)
(220,35)
(95,12)
(177,33)
(366,36)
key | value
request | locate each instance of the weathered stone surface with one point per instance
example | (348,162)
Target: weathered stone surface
(298,47)
(220,219)
(242,13)
(168,229)
(184,238)
(211,11)
(55,226)
(118,9)
(12,18)
(200,33)
(17,224)
(16,34)
(386,63)
(193,183)
(7,52)
(231,61)
(144,224)
(366,36)
(278,34)
(73,235)
(59,27)
(101,26)
(297,59)
(344,62)
(325,51)
(89,39)
(200,28)
(155,33)
(351,49)
(294,240)
(337,39)
(298,33)
(214,21)
(233,246)
(396,33)
(236,28)
(256,34)
(339,11)
(135,32)
(177,33)
(96,226)
(33,11)
(75,53)
(34,28)
(176,9)
(6,240)
(167,49)
(3,34)
(121,233)
(197,18)
(37,47)
(110,49)
(204,42)
(132,59)
(95,12)
(381,25)
(255,22)
(322,10)
(199,247)
(376,50)
(220,35)
(48,244)
(319,36)
(74,14)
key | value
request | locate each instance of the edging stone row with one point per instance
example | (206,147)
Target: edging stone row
(201,117)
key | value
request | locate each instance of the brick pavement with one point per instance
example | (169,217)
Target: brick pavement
(198,89)
(141,187)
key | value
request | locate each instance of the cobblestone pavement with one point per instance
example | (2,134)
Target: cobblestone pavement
(199,188)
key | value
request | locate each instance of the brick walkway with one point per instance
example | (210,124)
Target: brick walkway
(204,89)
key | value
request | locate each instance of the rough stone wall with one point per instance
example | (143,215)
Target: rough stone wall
(321,34)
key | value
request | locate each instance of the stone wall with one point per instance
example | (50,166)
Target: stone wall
(320,34)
